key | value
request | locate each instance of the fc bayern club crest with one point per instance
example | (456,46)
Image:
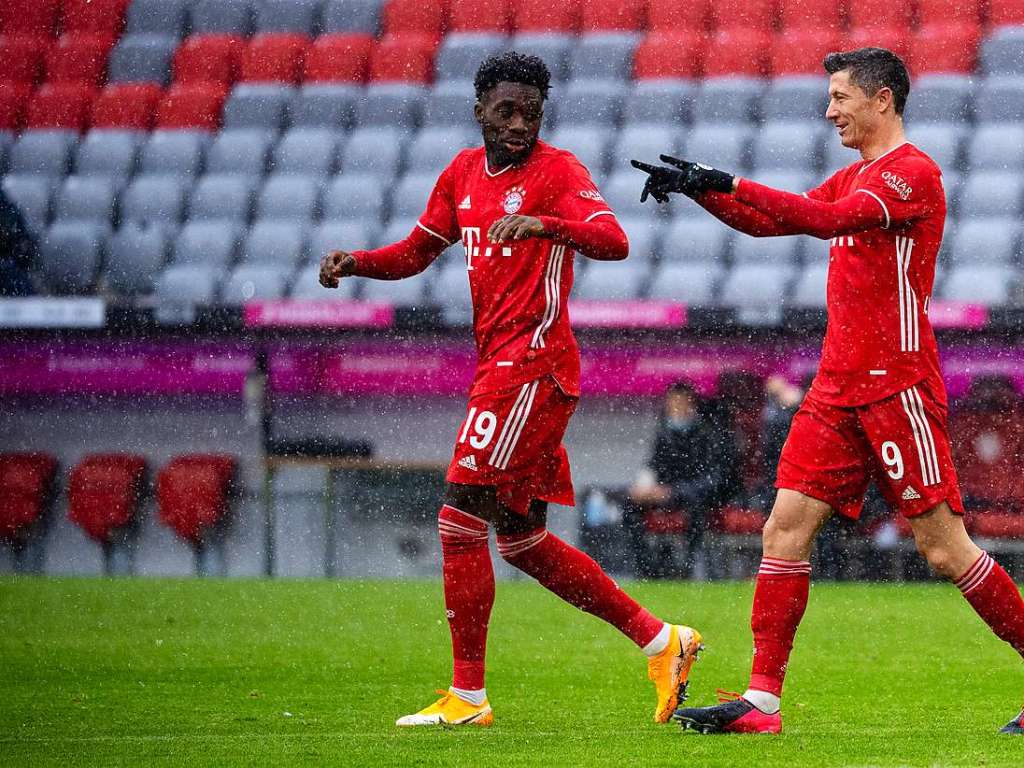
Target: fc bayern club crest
(513,200)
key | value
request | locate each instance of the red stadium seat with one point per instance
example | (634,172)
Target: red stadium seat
(26,487)
(208,59)
(944,48)
(996,525)
(98,16)
(738,52)
(64,105)
(880,13)
(671,15)
(339,58)
(403,58)
(611,16)
(882,37)
(737,521)
(23,56)
(810,13)
(13,100)
(195,107)
(1005,12)
(987,444)
(666,521)
(543,16)
(420,17)
(103,493)
(275,58)
(799,51)
(192,493)
(743,14)
(129,106)
(29,17)
(78,58)
(944,11)
(481,16)
(672,55)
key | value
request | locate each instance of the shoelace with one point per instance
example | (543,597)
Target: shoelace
(724,695)
(445,695)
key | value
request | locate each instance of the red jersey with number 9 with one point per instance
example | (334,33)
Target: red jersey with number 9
(519,288)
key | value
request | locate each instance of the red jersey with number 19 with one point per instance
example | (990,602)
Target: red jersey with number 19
(879,340)
(519,288)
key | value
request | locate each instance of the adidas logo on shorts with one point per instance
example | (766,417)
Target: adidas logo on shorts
(469,462)
(909,494)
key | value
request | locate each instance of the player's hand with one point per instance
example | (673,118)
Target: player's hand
(660,181)
(514,227)
(334,266)
(700,178)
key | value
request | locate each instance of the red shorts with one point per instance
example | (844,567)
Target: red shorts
(512,440)
(901,443)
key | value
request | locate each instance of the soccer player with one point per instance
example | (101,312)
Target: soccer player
(877,407)
(521,208)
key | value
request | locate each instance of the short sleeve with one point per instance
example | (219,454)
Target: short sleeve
(439,218)
(826,191)
(906,189)
(577,197)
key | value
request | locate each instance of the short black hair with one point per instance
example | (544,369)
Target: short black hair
(512,67)
(872,69)
(683,387)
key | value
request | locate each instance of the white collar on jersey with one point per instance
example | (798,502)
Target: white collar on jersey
(487,169)
(888,151)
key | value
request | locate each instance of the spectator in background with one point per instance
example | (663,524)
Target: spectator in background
(687,472)
(781,399)
(18,251)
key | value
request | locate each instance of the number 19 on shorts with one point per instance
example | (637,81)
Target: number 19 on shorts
(479,428)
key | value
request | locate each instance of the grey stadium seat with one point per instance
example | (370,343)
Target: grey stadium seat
(86,198)
(274,242)
(451,103)
(803,97)
(342,234)
(293,198)
(409,291)
(134,257)
(723,146)
(157,17)
(221,198)
(590,102)
(613,280)
(154,199)
(789,146)
(1002,52)
(991,193)
(351,16)
(1000,100)
(765,250)
(603,56)
(391,104)
(553,48)
(6,142)
(836,155)
(397,229)
(187,284)
(311,152)
(411,194)
(300,16)
(978,241)
(351,196)
(307,286)
(644,142)
(727,100)
(622,191)
(376,151)
(995,147)
(660,102)
(32,195)
(434,148)
(940,98)
(46,153)
(324,105)
(790,181)
(71,253)
(108,153)
(760,288)
(243,151)
(588,143)
(941,141)
(991,284)
(221,17)
(254,281)
(142,58)
(644,236)
(461,53)
(689,282)
(177,153)
(213,243)
(258,105)
(809,291)
(692,241)
(450,292)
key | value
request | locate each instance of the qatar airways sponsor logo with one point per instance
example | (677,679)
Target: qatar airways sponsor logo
(592,194)
(897,184)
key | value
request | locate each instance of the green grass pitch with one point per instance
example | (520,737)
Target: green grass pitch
(283,673)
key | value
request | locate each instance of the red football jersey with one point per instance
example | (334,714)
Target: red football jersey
(520,288)
(879,340)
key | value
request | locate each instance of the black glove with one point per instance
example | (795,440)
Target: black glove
(661,181)
(692,179)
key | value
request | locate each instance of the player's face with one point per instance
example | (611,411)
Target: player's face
(510,115)
(854,113)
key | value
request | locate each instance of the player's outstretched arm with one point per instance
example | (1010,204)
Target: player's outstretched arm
(602,238)
(392,262)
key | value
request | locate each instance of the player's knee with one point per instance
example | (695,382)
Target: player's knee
(460,531)
(786,536)
(941,559)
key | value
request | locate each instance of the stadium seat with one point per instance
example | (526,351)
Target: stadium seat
(692,283)
(727,100)
(425,17)
(800,97)
(942,141)
(895,38)
(347,234)
(45,153)
(1005,13)
(134,256)
(307,287)
(434,148)
(992,193)
(959,11)
(589,143)
(541,16)
(412,291)
(258,105)
(242,151)
(704,241)
(460,54)
(1001,52)
(553,48)
(228,17)
(799,51)
(988,438)
(787,145)
(259,282)
(326,106)
(603,56)
(613,281)
(141,58)
(989,284)
(93,16)
(193,493)
(757,291)
(354,195)
(742,14)
(645,237)
(295,16)
(672,16)
(658,103)
(723,146)
(585,102)
(27,488)
(310,152)
(222,197)
(13,101)
(391,104)
(940,98)
(766,250)
(343,58)
(104,493)
(986,240)
(71,252)
(451,104)
(810,14)
(32,194)
(486,16)
(377,150)
(610,16)
(1000,99)
(407,58)
(130,106)
(23,57)
(738,52)
(78,58)
(944,47)
(37,18)
(292,198)
(273,58)
(187,285)
(208,59)
(156,200)
(280,243)
(195,106)
(6,142)
(157,17)
(809,291)
(622,191)
(86,198)
(790,181)
(644,142)
(871,14)
(60,107)
(210,243)
(995,147)
(672,56)
(409,198)
(178,153)
(358,16)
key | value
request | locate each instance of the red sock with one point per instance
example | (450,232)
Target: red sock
(780,598)
(468,593)
(992,593)
(578,580)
